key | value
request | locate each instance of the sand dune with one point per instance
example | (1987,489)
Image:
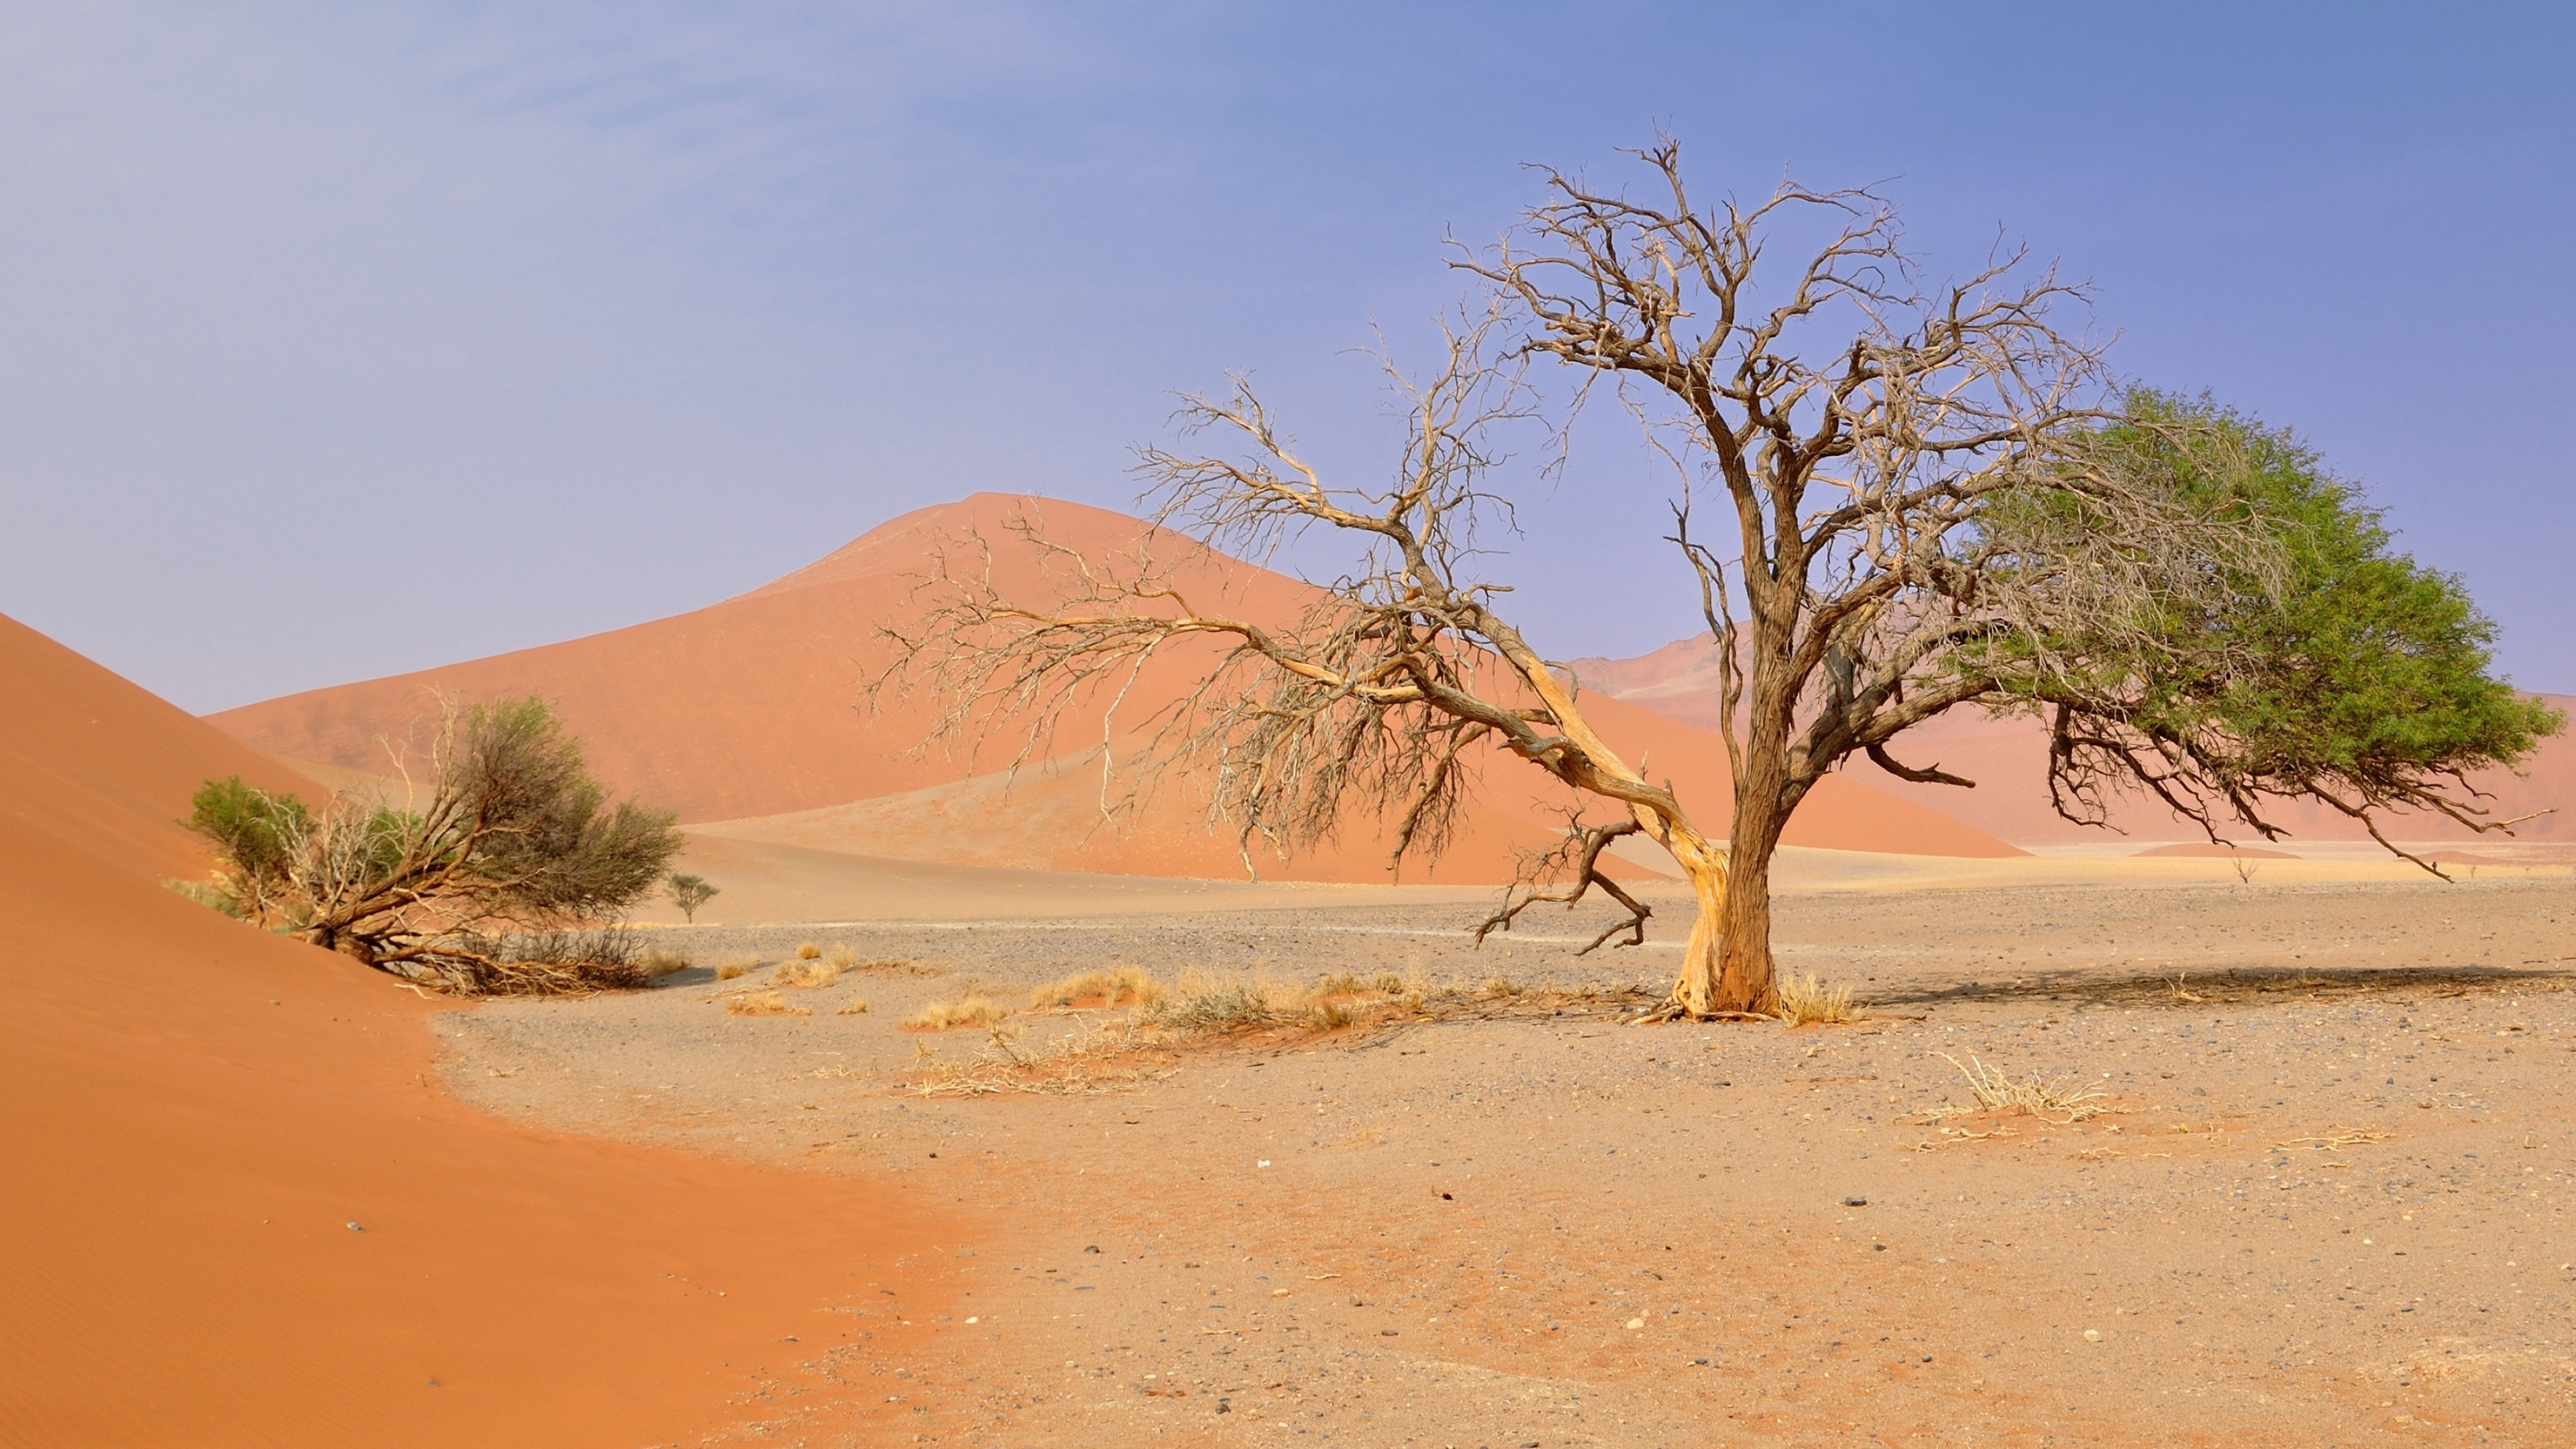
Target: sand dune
(746,713)
(2008,758)
(199,1110)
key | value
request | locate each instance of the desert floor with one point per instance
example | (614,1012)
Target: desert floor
(2327,1202)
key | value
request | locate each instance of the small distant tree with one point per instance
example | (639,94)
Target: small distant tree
(1931,500)
(689,892)
(481,889)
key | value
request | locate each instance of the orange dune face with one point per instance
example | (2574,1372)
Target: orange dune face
(199,1112)
(748,710)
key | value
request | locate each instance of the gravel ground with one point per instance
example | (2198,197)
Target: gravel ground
(1530,1224)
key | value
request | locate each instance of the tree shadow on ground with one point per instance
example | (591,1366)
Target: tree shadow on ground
(2189,991)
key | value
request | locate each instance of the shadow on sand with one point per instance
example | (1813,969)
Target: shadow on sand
(2186,991)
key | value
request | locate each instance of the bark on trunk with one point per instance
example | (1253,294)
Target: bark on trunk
(1697,988)
(1744,931)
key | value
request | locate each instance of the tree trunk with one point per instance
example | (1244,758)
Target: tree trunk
(1744,929)
(1697,988)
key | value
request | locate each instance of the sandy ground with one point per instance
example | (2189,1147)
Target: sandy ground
(1532,1225)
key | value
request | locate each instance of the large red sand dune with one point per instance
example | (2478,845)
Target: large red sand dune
(2008,758)
(747,710)
(197,1110)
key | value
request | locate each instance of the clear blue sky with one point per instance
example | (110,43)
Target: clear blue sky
(338,340)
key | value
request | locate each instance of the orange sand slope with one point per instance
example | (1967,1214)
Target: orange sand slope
(198,1111)
(2008,758)
(746,712)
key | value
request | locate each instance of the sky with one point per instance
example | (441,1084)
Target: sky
(338,341)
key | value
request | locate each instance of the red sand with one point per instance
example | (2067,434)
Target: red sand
(2008,758)
(198,1109)
(748,708)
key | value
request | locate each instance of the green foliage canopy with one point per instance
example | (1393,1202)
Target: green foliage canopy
(2311,660)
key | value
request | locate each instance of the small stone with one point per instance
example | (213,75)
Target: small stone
(433,1383)
(1855,1202)
(1386,1333)
(1094,1248)
(1223,1407)
(353,1227)
(1636,1323)
(2092,1335)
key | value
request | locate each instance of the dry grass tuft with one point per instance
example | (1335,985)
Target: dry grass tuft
(1330,1015)
(765,1003)
(975,1010)
(1200,1006)
(1117,986)
(855,1006)
(663,963)
(809,952)
(1501,986)
(739,966)
(1998,1093)
(1801,999)
(1116,1057)
(841,958)
(805,971)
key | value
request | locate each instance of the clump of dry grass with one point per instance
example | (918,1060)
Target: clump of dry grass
(737,967)
(855,1006)
(764,1003)
(1502,986)
(976,1010)
(805,971)
(841,958)
(1997,1092)
(1201,1006)
(808,951)
(1116,1056)
(658,962)
(1117,986)
(1799,999)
